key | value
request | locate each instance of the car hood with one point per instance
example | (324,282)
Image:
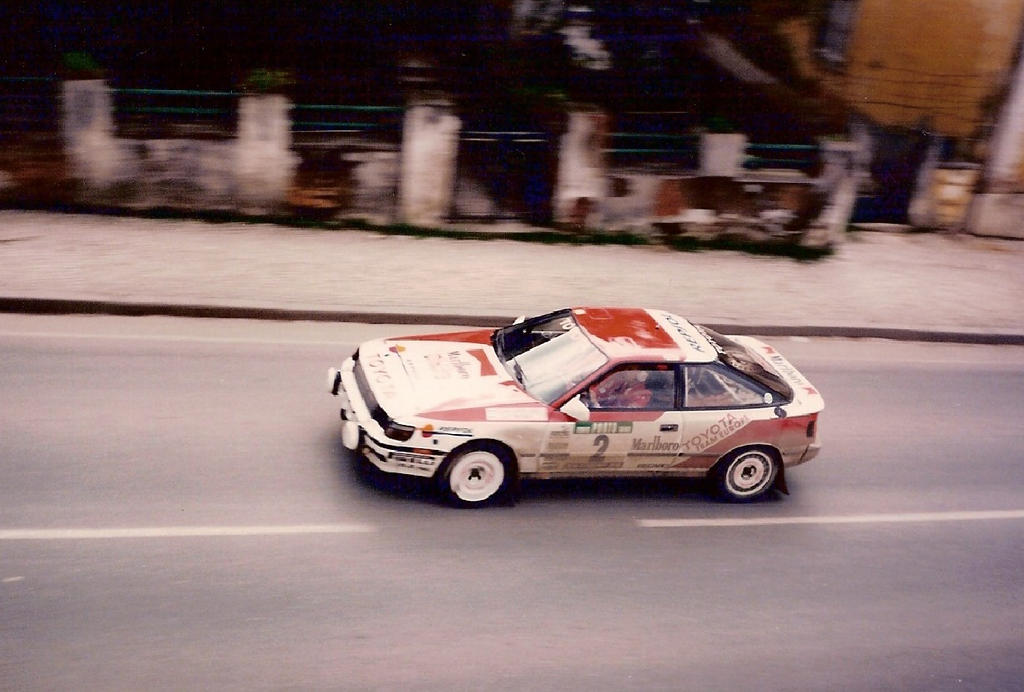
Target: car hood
(415,376)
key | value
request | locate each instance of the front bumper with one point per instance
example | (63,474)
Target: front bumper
(362,434)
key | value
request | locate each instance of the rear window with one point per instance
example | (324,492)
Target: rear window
(739,357)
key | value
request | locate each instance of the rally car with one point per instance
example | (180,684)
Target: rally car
(581,392)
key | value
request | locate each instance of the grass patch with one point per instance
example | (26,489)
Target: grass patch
(769,248)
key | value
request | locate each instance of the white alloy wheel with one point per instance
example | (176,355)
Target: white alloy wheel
(477,475)
(746,474)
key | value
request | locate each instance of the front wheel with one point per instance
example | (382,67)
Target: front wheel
(477,474)
(745,474)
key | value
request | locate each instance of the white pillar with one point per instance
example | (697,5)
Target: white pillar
(96,156)
(999,209)
(722,154)
(265,163)
(430,145)
(580,187)
(838,181)
(1005,169)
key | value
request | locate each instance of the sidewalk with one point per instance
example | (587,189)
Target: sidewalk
(935,286)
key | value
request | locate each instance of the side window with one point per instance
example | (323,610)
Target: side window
(710,386)
(635,387)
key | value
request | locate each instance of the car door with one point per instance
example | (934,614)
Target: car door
(719,408)
(634,423)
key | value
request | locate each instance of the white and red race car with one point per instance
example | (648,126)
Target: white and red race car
(581,392)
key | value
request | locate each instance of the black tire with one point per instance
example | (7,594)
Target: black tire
(745,474)
(478,474)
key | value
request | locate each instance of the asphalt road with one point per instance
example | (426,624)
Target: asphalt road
(177,512)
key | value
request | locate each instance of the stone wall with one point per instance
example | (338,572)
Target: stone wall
(723,197)
(250,173)
(259,169)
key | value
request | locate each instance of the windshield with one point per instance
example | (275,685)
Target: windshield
(739,357)
(548,355)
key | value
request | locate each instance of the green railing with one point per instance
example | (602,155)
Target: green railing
(139,109)
(330,120)
(683,151)
(642,148)
(504,136)
(147,112)
(345,119)
(800,157)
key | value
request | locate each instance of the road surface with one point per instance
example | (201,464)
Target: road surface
(177,512)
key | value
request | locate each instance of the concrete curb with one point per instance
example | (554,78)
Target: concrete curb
(61,306)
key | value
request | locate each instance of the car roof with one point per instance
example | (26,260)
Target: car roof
(644,334)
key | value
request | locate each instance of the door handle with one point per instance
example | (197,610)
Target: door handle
(669,427)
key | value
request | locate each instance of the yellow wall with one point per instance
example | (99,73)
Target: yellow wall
(913,62)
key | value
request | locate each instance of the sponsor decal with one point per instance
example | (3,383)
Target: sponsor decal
(480,355)
(457,364)
(378,376)
(532,413)
(790,373)
(655,445)
(686,331)
(592,465)
(429,430)
(603,428)
(452,430)
(558,443)
(412,461)
(714,344)
(714,433)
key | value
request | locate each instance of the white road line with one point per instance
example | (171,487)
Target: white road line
(838,519)
(180,532)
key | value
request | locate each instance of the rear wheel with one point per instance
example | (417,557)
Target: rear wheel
(477,474)
(745,474)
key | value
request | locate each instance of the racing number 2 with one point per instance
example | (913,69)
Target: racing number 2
(601,442)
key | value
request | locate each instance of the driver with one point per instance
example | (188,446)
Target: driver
(622,389)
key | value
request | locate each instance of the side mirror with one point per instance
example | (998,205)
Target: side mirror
(575,408)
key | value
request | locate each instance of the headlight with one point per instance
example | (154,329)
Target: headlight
(397,431)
